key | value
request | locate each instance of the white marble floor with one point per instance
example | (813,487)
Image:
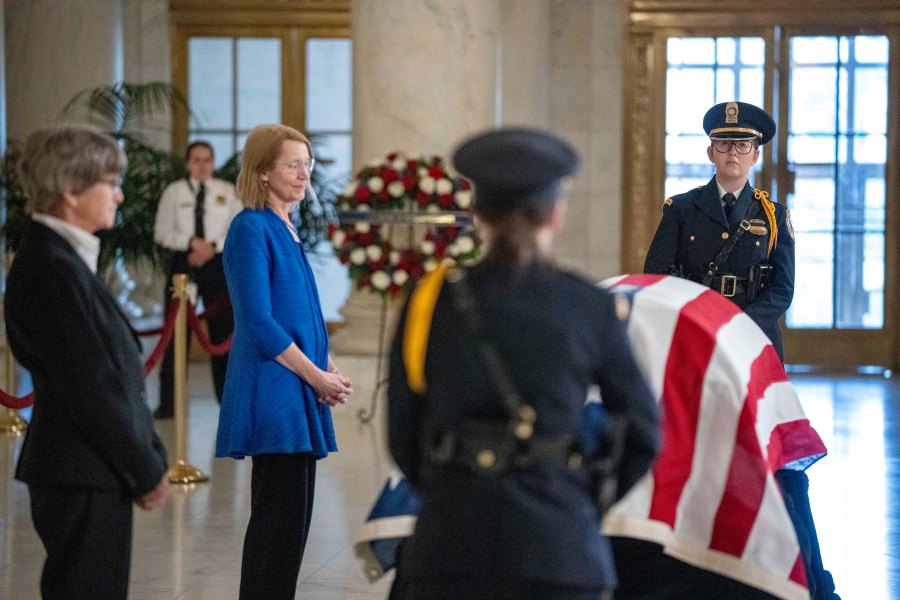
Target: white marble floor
(191,548)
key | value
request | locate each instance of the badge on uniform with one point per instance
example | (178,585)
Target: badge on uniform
(758,227)
(220,200)
(787,219)
(667,202)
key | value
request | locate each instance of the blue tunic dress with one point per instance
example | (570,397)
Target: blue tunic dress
(267,408)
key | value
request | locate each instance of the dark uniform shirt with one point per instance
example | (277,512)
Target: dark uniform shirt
(480,536)
(694,228)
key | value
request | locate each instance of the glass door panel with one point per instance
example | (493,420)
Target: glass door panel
(701,72)
(836,149)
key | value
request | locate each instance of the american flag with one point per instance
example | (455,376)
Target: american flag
(730,419)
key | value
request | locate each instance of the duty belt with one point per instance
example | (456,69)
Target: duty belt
(729,285)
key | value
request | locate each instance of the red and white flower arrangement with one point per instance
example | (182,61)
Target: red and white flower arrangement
(401,184)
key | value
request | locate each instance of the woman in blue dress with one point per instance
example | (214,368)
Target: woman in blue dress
(281,382)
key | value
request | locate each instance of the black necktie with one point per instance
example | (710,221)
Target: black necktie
(729,201)
(198,213)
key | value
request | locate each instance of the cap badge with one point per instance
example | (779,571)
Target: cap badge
(731,112)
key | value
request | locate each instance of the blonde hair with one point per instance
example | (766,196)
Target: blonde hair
(260,151)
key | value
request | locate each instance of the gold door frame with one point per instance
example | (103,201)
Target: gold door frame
(650,24)
(294,22)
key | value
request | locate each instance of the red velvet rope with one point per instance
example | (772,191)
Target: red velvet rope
(165,337)
(16,403)
(166,332)
(212,349)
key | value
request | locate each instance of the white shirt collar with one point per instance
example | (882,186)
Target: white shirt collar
(85,244)
(723,191)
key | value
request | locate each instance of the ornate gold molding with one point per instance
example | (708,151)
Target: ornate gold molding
(308,13)
(858,14)
(639,218)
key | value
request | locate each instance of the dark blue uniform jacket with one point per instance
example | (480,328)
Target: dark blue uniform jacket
(690,235)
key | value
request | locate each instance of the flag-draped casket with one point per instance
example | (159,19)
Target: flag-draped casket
(730,419)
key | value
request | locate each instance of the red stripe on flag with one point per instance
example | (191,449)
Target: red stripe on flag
(640,280)
(792,441)
(747,473)
(693,342)
(798,573)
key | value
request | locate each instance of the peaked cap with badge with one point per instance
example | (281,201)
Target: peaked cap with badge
(738,121)
(516,166)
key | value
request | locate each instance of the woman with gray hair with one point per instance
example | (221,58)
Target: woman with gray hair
(90,450)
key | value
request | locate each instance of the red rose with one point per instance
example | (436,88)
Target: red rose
(388,175)
(392,156)
(394,289)
(436,172)
(416,271)
(362,194)
(365,239)
(422,198)
(463,184)
(364,281)
(451,232)
(409,182)
(440,246)
(412,164)
(377,265)
(445,201)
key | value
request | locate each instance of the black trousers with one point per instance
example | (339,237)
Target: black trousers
(281,504)
(211,286)
(87,535)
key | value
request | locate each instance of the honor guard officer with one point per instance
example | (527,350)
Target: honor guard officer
(727,234)
(489,373)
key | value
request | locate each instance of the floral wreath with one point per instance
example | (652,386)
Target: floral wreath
(401,183)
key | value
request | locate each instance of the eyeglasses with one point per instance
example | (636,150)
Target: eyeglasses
(740,146)
(295,167)
(113,182)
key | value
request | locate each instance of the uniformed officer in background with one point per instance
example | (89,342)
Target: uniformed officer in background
(733,238)
(727,234)
(192,220)
(489,373)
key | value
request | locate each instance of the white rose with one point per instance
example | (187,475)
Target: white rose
(400,277)
(376,184)
(399,163)
(358,256)
(345,206)
(363,227)
(375,164)
(394,256)
(426,184)
(433,208)
(338,237)
(374,252)
(465,244)
(427,247)
(430,265)
(350,189)
(396,189)
(363,208)
(453,249)
(444,186)
(380,280)
(423,172)
(463,198)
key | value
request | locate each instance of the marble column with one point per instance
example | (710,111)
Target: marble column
(55,49)
(425,75)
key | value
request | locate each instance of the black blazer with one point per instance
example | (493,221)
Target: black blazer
(90,425)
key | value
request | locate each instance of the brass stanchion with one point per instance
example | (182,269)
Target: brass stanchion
(181,471)
(10,421)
